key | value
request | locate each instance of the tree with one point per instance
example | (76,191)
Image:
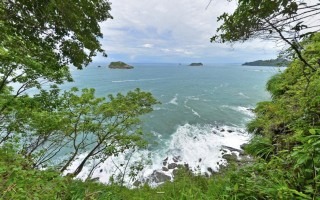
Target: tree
(39,39)
(69,125)
(286,20)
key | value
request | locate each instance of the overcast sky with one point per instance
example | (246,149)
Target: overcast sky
(172,31)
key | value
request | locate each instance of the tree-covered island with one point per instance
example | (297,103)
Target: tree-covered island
(272,62)
(119,65)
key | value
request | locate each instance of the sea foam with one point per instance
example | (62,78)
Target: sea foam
(197,146)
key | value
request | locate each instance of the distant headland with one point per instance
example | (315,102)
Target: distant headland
(119,65)
(196,64)
(272,62)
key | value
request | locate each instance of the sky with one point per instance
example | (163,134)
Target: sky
(174,31)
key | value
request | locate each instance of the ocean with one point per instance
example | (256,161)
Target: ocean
(203,108)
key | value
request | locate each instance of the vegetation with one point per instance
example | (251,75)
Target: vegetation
(271,62)
(39,40)
(119,65)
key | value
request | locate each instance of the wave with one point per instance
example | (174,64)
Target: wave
(243,95)
(188,107)
(244,110)
(174,100)
(136,80)
(197,146)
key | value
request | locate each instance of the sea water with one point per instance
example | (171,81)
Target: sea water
(203,108)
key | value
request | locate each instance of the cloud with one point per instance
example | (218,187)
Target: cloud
(171,31)
(147,45)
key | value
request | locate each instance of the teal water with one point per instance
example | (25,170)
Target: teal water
(196,103)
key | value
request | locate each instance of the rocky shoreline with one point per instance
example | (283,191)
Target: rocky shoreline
(172,164)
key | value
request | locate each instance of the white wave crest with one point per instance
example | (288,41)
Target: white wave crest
(174,100)
(244,110)
(197,146)
(136,80)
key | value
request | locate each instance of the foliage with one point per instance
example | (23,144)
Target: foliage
(287,20)
(39,39)
(272,62)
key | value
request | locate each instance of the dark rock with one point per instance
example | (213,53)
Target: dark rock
(136,183)
(186,165)
(165,161)
(243,146)
(210,170)
(200,159)
(206,174)
(230,157)
(101,170)
(232,149)
(230,131)
(172,165)
(176,158)
(165,169)
(160,177)
(222,130)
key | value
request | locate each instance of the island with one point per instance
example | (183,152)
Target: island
(196,64)
(119,65)
(272,62)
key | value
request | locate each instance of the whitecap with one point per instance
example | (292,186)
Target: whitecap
(174,100)
(136,80)
(197,146)
(244,110)
(243,95)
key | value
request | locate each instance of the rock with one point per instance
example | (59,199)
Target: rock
(119,65)
(165,169)
(200,159)
(230,157)
(250,109)
(222,130)
(172,165)
(160,177)
(165,161)
(176,158)
(231,149)
(186,165)
(196,64)
(210,170)
(101,170)
(243,146)
(230,131)
(136,183)
(99,65)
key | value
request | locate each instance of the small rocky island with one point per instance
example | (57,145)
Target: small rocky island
(119,65)
(196,64)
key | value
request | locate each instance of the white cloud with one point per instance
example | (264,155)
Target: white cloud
(147,45)
(173,29)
